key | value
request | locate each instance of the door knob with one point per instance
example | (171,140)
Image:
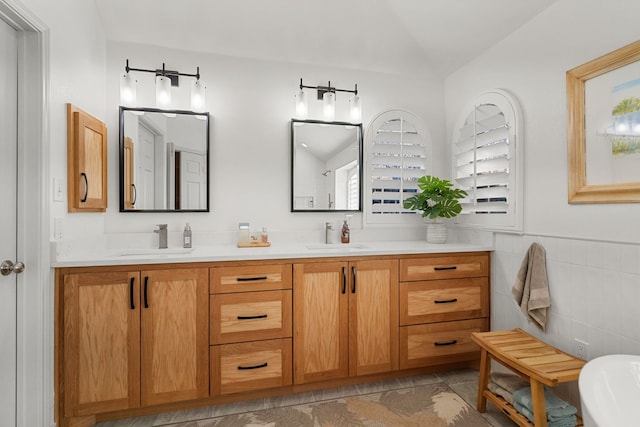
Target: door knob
(7,267)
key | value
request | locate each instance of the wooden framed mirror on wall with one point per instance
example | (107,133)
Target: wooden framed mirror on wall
(603,125)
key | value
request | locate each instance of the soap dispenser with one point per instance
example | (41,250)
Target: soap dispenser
(344,234)
(186,236)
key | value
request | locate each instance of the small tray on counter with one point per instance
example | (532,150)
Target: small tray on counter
(254,244)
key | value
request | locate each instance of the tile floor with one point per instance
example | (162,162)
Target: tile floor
(463,382)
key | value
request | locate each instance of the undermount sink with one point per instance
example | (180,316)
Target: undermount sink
(336,246)
(610,391)
(155,252)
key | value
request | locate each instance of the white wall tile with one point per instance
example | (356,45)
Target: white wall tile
(611,256)
(579,293)
(594,288)
(630,259)
(595,254)
(564,250)
(578,252)
(559,276)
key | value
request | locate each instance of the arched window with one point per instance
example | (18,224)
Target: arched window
(487,157)
(398,149)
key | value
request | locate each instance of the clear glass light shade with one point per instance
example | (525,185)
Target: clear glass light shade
(355,109)
(329,106)
(163,92)
(302,108)
(127,90)
(198,96)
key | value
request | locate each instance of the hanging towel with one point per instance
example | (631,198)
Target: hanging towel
(531,288)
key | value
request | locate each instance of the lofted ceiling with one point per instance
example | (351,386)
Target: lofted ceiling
(396,36)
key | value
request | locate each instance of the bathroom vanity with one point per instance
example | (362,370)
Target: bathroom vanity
(141,334)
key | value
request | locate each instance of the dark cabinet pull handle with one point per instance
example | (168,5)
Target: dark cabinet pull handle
(353,272)
(452,342)
(250,279)
(146,284)
(86,187)
(242,368)
(135,194)
(453,267)
(445,301)
(344,280)
(259,316)
(131,289)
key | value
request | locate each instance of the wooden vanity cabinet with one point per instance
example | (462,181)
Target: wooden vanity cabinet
(86,162)
(175,340)
(345,319)
(101,336)
(443,298)
(133,338)
(250,327)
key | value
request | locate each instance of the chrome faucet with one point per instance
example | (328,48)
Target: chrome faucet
(162,236)
(328,230)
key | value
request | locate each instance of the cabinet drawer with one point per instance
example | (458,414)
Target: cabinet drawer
(438,343)
(250,278)
(444,267)
(249,316)
(442,300)
(250,366)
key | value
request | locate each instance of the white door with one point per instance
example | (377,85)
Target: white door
(193,177)
(8,220)
(145,177)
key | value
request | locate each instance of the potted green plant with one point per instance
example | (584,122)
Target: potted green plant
(437,199)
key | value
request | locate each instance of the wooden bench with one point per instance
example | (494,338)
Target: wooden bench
(532,359)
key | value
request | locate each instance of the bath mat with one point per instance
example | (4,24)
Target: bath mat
(433,405)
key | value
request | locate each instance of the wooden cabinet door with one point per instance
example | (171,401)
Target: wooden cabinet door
(321,322)
(175,335)
(101,342)
(373,317)
(87,162)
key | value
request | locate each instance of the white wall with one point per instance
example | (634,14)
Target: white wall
(593,251)
(77,75)
(251,103)
(531,64)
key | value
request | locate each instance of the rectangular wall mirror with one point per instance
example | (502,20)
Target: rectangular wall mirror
(326,166)
(164,160)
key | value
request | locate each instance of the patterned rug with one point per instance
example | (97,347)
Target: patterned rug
(432,405)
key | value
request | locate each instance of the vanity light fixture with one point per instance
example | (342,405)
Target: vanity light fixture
(327,94)
(165,79)
(127,90)
(163,92)
(329,106)
(302,108)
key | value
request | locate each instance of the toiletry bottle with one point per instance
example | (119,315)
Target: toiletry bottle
(186,236)
(244,237)
(344,235)
(264,237)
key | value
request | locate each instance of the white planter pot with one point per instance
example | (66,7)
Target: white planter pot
(436,232)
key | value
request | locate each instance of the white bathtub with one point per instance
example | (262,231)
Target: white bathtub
(610,391)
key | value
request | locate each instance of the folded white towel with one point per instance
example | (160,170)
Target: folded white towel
(531,288)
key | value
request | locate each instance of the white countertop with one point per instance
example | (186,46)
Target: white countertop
(228,252)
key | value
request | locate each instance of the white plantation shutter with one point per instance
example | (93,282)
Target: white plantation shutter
(487,162)
(399,152)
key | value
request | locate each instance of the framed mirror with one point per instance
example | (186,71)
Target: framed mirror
(164,160)
(326,166)
(603,100)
